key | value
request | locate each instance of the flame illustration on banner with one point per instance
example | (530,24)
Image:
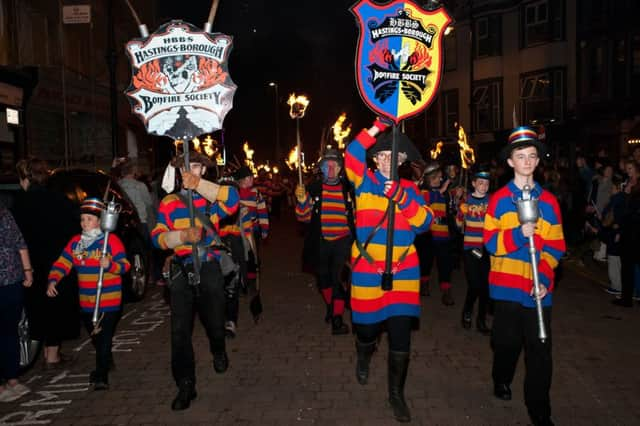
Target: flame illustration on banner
(180,86)
(399,58)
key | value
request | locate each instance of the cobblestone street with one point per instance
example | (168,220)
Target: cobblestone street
(289,370)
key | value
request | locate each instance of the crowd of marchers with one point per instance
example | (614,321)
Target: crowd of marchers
(374,228)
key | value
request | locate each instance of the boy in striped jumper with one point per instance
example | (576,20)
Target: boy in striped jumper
(84,253)
(470,219)
(173,230)
(372,307)
(515,322)
(436,245)
(327,207)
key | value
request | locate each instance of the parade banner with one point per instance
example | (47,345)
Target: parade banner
(180,85)
(399,56)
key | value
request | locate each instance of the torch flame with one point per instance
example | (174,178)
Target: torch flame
(292,160)
(196,145)
(297,105)
(436,151)
(340,134)
(467,155)
(208,146)
(248,153)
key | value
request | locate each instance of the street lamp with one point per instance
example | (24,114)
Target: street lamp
(277,147)
(297,107)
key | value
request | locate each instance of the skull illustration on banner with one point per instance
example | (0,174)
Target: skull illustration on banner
(399,56)
(180,85)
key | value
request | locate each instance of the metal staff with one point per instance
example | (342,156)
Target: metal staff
(528,213)
(194,277)
(387,276)
(108,223)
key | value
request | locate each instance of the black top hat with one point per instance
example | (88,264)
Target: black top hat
(404,144)
(194,157)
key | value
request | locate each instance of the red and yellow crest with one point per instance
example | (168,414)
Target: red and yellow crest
(399,56)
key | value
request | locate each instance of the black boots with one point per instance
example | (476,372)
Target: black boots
(481,326)
(338,327)
(466,320)
(186,394)
(447,298)
(364,352)
(220,362)
(398,366)
(502,391)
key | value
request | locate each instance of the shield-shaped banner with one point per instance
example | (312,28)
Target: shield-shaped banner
(399,57)
(180,85)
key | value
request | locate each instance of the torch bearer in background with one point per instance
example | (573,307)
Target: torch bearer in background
(528,213)
(297,108)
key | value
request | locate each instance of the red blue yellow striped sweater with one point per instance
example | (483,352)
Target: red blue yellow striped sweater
(173,215)
(87,264)
(255,217)
(369,303)
(471,215)
(333,213)
(437,202)
(511,278)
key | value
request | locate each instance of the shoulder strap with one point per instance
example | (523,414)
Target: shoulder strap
(206,223)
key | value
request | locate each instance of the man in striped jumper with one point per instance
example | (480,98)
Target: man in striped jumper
(327,206)
(515,322)
(373,307)
(173,230)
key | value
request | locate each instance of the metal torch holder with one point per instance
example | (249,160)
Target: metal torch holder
(528,212)
(108,224)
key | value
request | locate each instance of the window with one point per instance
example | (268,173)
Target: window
(488,36)
(450,114)
(450,51)
(487,105)
(542,95)
(542,22)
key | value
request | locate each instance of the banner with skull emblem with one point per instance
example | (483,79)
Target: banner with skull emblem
(180,85)
(399,56)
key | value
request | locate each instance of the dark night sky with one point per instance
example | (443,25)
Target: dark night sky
(306,47)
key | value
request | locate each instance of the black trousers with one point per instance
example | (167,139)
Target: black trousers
(103,341)
(515,327)
(234,242)
(209,303)
(477,272)
(440,251)
(332,256)
(398,331)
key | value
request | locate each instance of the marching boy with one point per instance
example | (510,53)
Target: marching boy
(84,253)
(515,322)
(476,260)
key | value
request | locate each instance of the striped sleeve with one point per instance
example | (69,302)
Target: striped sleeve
(356,157)
(163,224)
(414,209)
(303,209)
(119,263)
(498,239)
(62,266)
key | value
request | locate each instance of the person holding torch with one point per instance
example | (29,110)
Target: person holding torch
(373,306)
(512,282)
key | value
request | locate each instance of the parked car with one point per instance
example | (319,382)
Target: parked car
(78,184)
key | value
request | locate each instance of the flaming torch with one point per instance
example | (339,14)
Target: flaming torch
(292,159)
(467,155)
(340,133)
(435,153)
(248,153)
(297,107)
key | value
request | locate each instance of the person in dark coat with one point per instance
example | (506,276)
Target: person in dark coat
(47,220)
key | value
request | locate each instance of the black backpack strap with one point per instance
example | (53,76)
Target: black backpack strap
(206,223)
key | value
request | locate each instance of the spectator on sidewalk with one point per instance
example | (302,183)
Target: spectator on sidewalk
(609,233)
(16,272)
(46,235)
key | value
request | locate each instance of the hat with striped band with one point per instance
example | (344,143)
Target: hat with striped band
(521,137)
(92,206)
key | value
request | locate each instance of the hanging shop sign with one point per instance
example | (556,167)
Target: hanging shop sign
(399,56)
(180,85)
